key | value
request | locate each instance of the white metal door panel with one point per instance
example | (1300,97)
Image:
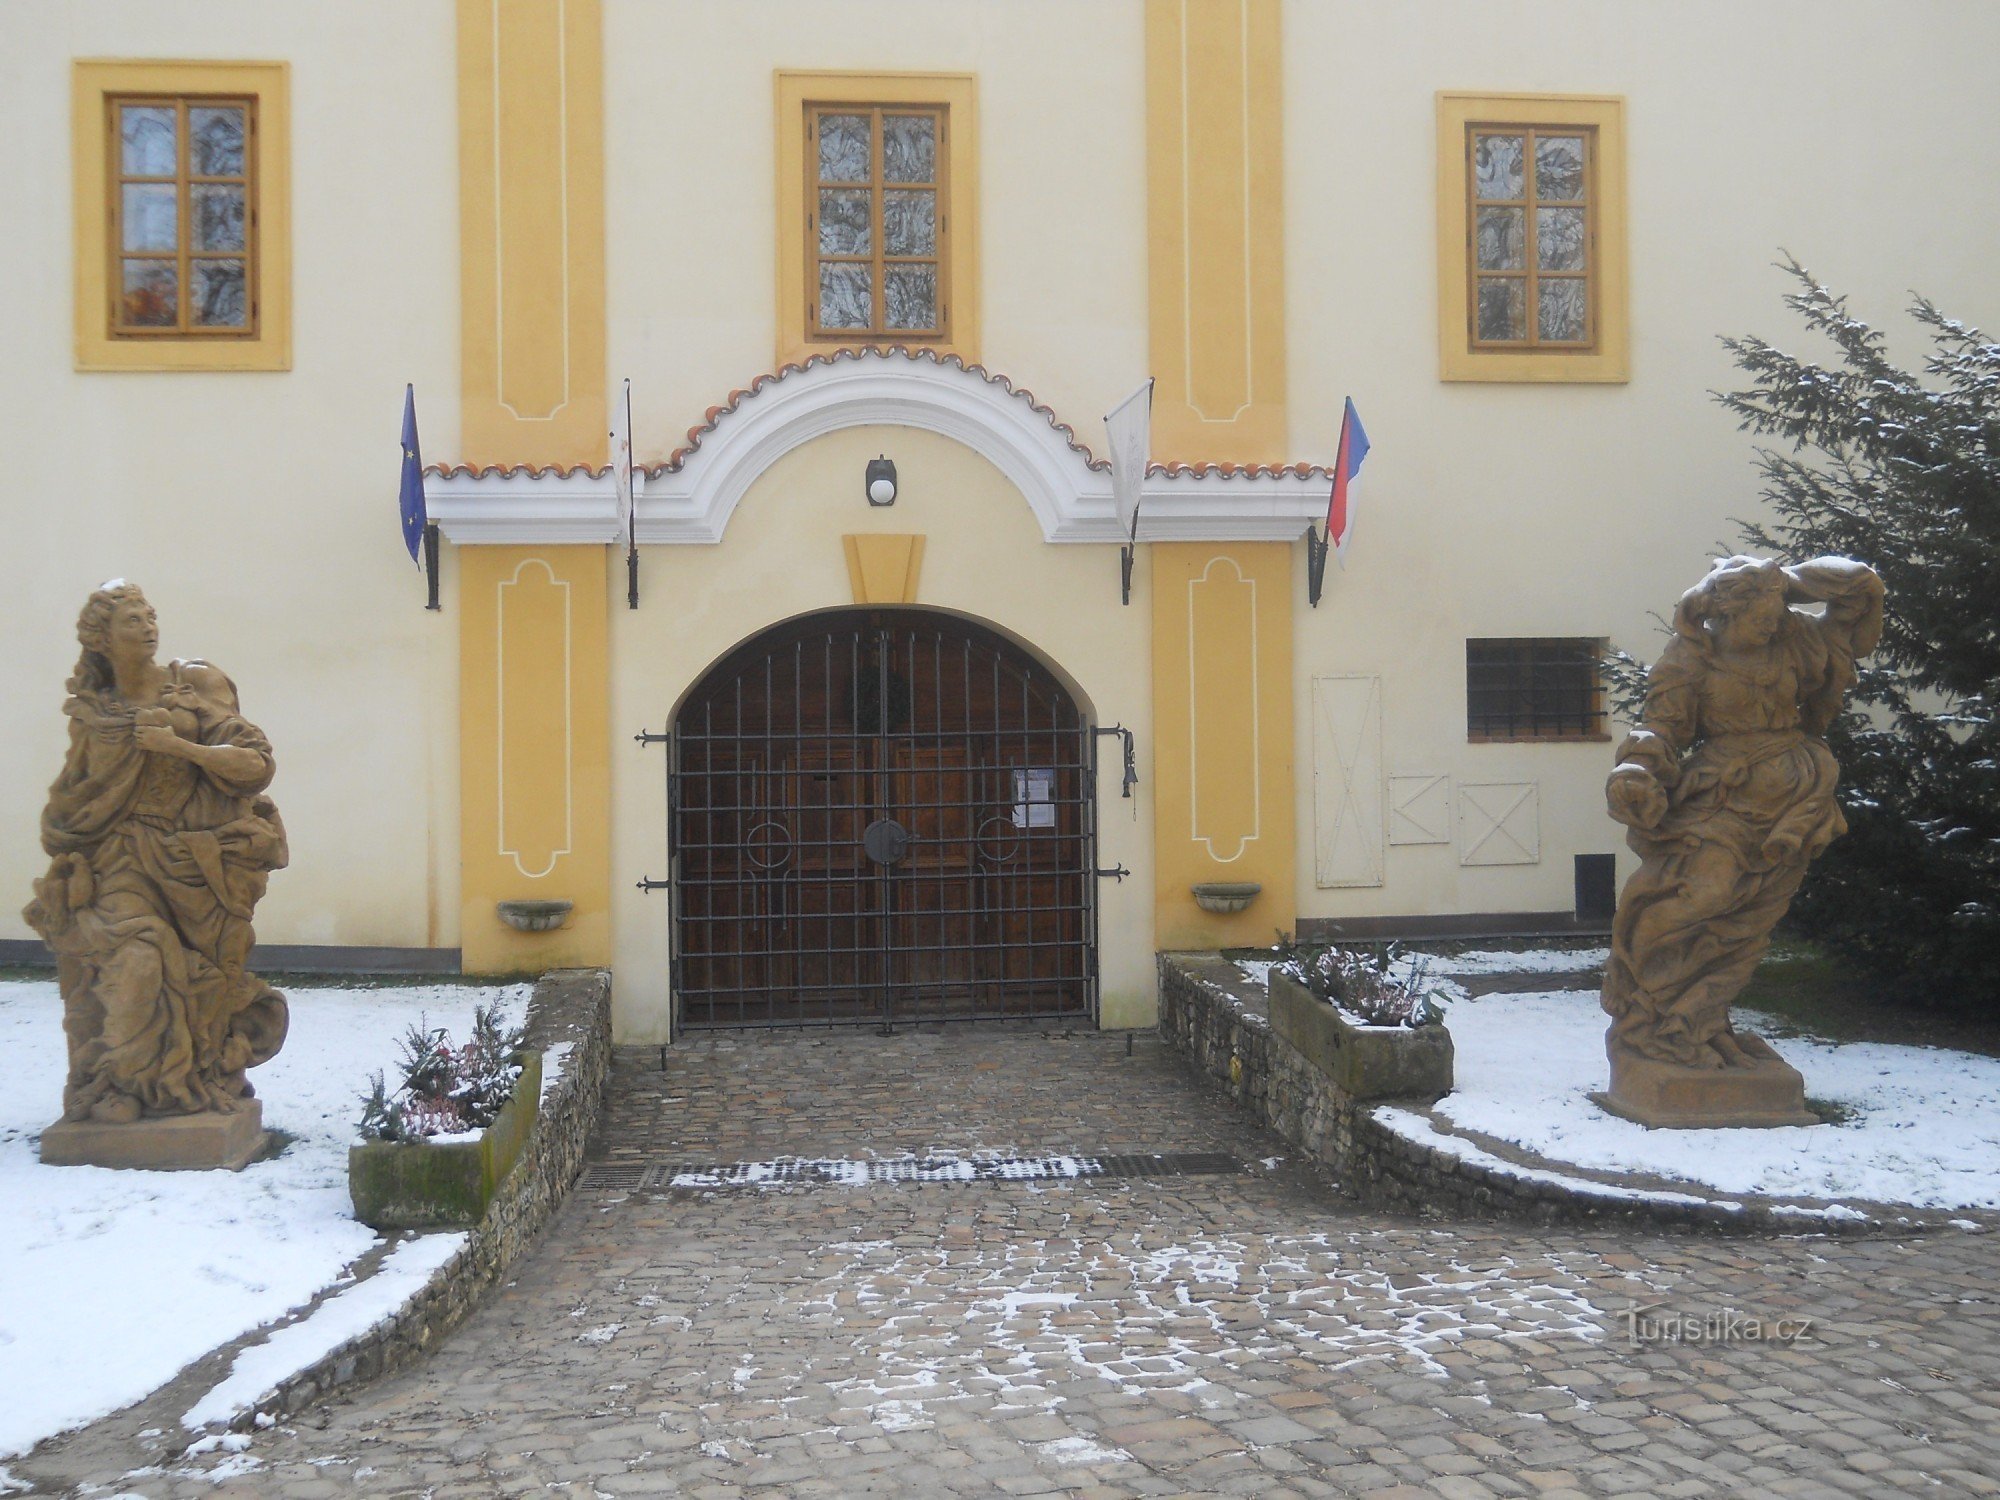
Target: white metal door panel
(1347,781)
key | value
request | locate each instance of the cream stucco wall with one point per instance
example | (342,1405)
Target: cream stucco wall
(256,509)
(1853,134)
(984,557)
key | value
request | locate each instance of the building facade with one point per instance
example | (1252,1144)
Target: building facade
(847,759)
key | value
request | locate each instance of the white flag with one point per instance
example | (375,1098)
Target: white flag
(1130,430)
(621,461)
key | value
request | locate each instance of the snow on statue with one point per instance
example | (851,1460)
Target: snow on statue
(1727,788)
(160,841)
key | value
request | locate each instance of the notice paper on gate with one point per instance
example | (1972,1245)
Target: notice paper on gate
(1034,798)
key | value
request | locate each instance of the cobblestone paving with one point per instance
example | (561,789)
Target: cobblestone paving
(1236,1335)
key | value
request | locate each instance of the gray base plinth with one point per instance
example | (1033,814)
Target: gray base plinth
(165,1143)
(1660,1094)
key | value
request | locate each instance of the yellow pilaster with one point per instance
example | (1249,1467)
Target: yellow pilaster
(535,753)
(1222,717)
(1215,230)
(531,231)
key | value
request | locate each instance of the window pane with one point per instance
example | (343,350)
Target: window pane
(911,295)
(1497,162)
(218,293)
(148,134)
(909,148)
(1559,168)
(1503,309)
(1560,309)
(844,150)
(215,141)
(909,222)
(150,215)
(843,222)
(846,295)
(1502,239)
(1559,239)
(218,218)
(152,294)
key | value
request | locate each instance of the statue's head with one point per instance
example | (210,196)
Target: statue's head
(1739,602)
(116,622)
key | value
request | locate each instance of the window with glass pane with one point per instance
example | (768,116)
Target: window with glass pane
(1531,237)
(875,223)
(1536,688)
(184,214)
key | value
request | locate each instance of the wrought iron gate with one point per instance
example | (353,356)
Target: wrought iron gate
(882,816)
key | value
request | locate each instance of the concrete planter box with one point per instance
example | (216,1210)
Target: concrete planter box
(419,1185)
(1364,1062)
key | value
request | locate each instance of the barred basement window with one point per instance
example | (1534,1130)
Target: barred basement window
(183,210)
(1540,688)
(877,223)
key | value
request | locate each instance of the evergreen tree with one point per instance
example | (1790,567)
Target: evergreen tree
(1901,471)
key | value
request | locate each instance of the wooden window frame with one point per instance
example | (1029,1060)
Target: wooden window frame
(1532,275)
(98,87)
(1563,726)
(879,259)
(799,96)
(184,180)
(1606,358)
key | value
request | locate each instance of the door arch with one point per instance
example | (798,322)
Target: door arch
(882,815)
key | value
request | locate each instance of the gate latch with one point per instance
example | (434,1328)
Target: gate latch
(649,885)
(1116,872)
(886,841)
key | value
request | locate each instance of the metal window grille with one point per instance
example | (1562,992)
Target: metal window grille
(1535,688)
(882,817)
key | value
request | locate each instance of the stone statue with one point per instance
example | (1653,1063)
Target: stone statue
(160,842)
(1727,788)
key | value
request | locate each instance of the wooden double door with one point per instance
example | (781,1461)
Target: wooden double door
(882,816)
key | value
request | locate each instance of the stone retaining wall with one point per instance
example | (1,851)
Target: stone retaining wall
(1214,1017)
(570,1006)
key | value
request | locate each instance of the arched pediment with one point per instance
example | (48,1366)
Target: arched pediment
(691,497)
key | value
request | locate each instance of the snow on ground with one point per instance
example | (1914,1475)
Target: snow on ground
(1528,961)
(1925,1131)
(116,1280)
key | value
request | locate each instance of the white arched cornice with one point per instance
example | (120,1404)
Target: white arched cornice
(692,497)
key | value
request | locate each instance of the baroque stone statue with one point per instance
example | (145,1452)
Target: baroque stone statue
(1727,790)
(160,840)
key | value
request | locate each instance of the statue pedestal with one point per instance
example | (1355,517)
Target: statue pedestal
(1769,1092)
(164,1143)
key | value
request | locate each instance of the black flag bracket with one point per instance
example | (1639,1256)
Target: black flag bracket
(1317,548)
(632,578)
(1125,573)
(431,551)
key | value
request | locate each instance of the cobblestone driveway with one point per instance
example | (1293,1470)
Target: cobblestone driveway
(1232,1335)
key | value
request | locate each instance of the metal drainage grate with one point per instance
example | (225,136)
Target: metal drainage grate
(834,1172)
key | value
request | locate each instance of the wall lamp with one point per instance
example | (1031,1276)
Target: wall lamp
(881,481)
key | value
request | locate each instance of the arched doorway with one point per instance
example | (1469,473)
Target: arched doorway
(882,816)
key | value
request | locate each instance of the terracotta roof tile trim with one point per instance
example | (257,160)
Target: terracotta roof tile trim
(715,414)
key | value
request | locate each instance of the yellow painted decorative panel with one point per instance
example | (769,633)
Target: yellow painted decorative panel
(1610,361)
(534,733)
(1215,229)
(883,569)
(1222,761)
(93,81)
(531,231)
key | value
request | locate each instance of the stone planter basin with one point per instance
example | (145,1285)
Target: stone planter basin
(1365,1062)
(1225,895)
(534,916)
(425,1185)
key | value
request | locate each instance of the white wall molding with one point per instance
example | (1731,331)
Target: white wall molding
(693,502)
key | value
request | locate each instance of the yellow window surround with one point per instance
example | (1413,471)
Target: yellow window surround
(95,81)
(1608,360)
(956,95)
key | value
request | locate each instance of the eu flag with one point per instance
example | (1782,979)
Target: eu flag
(412,497)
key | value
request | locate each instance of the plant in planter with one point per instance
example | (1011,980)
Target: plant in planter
(1373,1022)
(436,1147)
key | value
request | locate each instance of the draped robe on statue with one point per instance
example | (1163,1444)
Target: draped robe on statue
(156,867)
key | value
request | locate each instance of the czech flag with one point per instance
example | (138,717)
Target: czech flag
(1346,464)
